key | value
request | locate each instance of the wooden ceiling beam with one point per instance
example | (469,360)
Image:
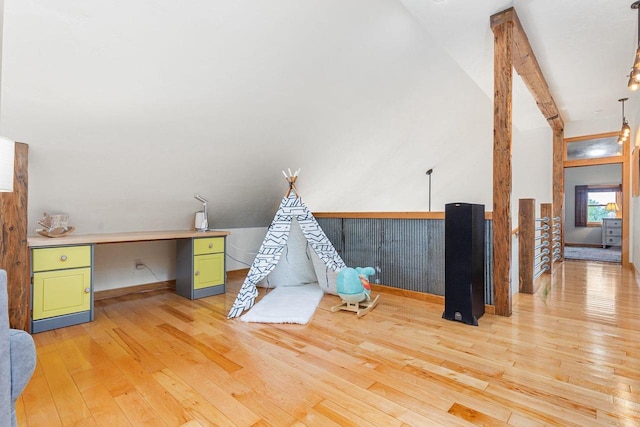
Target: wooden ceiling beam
(526,65)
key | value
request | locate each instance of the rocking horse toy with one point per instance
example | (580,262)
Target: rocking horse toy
(352,285)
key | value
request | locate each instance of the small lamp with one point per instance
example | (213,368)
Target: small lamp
(7,154)
(202,217)
(634,76)
(612,208)
(625,130)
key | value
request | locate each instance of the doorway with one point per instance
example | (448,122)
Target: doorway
(596,199)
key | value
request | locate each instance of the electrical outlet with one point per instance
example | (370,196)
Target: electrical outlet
(138,264)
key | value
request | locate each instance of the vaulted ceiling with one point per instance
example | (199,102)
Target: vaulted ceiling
(138,105)
(585,49)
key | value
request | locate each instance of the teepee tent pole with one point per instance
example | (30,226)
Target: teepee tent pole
(291,179)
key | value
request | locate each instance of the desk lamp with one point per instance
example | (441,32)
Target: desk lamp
(202,221)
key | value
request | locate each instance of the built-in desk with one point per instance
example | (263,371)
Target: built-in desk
(62,271)
(135,236)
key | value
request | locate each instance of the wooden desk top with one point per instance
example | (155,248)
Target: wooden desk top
(136,236)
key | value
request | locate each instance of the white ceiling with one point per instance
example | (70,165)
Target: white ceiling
(584,47)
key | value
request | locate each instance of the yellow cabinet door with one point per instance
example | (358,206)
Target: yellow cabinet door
(208,270)
(61,292)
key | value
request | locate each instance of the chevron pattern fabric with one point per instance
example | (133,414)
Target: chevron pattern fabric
(274,244)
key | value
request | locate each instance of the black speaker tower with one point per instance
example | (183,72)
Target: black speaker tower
(464,262)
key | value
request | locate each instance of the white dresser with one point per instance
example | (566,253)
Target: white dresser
(611,232)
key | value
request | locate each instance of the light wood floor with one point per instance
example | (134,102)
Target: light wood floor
(569,355)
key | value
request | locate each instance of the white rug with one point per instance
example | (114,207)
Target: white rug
(286,304)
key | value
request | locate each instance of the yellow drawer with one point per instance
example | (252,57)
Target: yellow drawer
(208,245)
(61,292)
(45,259)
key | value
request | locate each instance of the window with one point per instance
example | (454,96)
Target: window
(592,201)
(593,148)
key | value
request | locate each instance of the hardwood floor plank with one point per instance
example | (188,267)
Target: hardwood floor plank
(474,417)
(568,356)
(338,415)
(317,418)
(328,386)
(287,389)
(217,392)
(422,406)
(517,419)
(393,356)
(103,407)
(68,400)
(21,415)
(37,401)
(264,407)
(102,371)
(138,411)
(194,403)
(131,360)
(219,359)
(355,373)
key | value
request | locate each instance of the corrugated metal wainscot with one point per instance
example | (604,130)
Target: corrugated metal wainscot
(406,253)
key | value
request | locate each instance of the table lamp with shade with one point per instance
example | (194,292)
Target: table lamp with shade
(7,154)
(612,209)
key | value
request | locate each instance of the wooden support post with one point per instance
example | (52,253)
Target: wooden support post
(14,250)
(626,201)
(526,236)
(546,211)
(502,168)
(558,184)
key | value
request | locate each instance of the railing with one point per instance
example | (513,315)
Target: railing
(539,243)
(556,245)
(406,249)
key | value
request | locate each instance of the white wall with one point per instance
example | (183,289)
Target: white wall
(114,263)
(532,176)
(634,244)
(127,115)
(635,225)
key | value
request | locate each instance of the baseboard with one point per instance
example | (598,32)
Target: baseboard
(119,292)
(584,245)
(237,274)
(420,296)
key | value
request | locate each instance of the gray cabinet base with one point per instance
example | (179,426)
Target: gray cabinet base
(207,292)
(185,273)
(61,321)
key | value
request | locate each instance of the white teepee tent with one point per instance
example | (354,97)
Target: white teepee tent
(293,232)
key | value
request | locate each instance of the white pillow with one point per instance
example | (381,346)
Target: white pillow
(295,266)
(325,276)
